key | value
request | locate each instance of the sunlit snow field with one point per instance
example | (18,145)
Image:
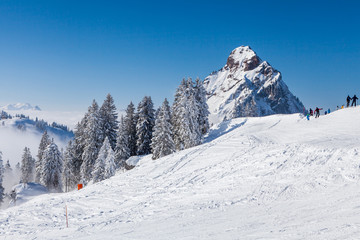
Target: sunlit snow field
(275,177)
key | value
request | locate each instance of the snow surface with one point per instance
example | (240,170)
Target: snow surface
(274,177)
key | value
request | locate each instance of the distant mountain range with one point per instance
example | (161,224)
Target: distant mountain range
(248,87)
(20,106)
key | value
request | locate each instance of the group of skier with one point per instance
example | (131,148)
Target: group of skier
(354,99)
(316,112)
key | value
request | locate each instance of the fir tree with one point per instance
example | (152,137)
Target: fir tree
(130,128)
(110,166)
(203,109)
(8,167)
(27,166)
(162,141)
(93,136)
(144,126)
(2,195)
(98,173)
(109,122)
(52,168)
(184,118)
(44,142)
(193,114)
(122,150)
(69,170)
(78,147)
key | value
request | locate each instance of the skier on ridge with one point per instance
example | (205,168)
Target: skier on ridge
(354,100)
(348,99)
(317,112)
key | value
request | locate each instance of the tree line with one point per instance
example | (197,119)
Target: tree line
(103,142)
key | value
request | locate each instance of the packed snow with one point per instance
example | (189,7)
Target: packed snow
(274,177)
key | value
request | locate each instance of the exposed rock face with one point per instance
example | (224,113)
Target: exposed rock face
(248,87)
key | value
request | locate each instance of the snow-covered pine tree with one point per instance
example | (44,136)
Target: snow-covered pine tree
(52,168)
(44,142)
(145,125)
(193,114)
(2,170)
(109,122)
(68,173)
(179,114)
(78,147)
(200,95)
(98,173)
(8,166)
(27,166)
(122,151)
(110,166)
(162,141)
(93,136)
(130,128)
(184,118)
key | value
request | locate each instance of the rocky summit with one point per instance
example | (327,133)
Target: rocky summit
(248,87)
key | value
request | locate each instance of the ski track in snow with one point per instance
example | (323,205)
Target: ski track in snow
(276,177)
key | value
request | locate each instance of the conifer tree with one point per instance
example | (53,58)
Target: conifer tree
(144,126)
(109,122)
(2,195)
(122,151)
(52,168)
(180,117)
(78,147)
(110,166)
(162,141)
(27,166)
(44,142)
(8,167)
(93,136)
(130,128)
(98,172)
(200,95)
(193,114)
(184,118)
(69,170)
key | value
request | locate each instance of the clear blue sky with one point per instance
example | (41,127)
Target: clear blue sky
(62,54)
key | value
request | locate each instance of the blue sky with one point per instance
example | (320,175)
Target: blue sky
(62,54)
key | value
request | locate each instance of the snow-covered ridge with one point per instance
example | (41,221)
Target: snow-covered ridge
(274,177)
(248,87)
(20,106)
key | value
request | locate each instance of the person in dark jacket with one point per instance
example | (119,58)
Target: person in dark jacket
(317,112)
(348,99)
(355,98)
(311,112)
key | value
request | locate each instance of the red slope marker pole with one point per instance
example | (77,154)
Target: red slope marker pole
(67,222)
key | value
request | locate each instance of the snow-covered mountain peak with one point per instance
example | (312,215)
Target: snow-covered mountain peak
(243,58)
(248,87)
(20,106)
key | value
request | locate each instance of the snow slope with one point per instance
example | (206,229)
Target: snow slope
(274,177)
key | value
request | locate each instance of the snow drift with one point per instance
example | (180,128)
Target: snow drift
(274,177)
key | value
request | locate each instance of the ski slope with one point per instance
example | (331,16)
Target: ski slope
(274,177)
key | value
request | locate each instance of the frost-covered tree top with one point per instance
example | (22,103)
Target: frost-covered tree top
(109,122)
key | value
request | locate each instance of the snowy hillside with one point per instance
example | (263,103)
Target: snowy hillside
(274,177)
(17,133)
(248,87)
